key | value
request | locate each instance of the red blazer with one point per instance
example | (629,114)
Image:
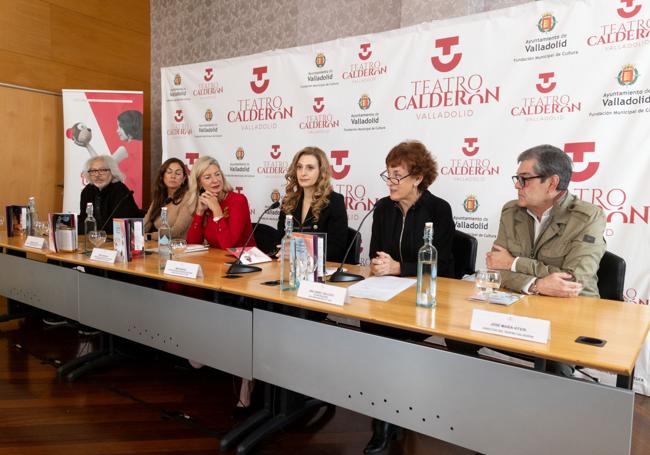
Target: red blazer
(230,231)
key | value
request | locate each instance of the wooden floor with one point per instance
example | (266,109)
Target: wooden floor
(152,403)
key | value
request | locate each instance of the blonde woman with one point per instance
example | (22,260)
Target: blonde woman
(313,204)
(221,216)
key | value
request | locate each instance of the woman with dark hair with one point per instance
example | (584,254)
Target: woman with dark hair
(397,229)
(170,191)
(129,125)
(313,204)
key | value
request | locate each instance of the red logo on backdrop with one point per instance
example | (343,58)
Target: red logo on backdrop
(365,51)
(337,157)
(259,73)
(472,146)
(319,104)
(208,75)
(546,85)
(446,44)
(191,157)
(239,189)
(625,13)
(179,115)
(577,151)
(275,152)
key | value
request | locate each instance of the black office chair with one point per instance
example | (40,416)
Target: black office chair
(611,277)
(355,252)
(464,249)
(266,237)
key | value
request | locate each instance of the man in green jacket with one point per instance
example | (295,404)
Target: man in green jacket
(550,242)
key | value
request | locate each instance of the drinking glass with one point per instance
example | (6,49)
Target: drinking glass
(178,247)
(488,281)
(97,238)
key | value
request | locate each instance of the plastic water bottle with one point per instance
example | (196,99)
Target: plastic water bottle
(164,238)
(288,257)
(90,224)
(427,270)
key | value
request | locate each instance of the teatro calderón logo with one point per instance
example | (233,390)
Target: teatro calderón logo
(364,68)
(629,29)
(179,127)
(470,165)
(209,87)
(274,167)
(619,208)
(319,120)
(260,112)
(545,103)
(449,93)
(339,167)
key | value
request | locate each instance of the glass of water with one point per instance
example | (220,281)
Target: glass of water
(488,281)
(97,238)
(178,247)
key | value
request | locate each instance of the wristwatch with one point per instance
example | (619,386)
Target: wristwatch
(533,288)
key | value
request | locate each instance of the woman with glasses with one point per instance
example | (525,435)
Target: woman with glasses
(170,191)
(221,216)
(110,197)
(313,204)
(397,235)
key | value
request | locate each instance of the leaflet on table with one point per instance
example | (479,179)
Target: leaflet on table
(380,287)
(498,297)
(310,255)
(63,231)
(17,220)
(128,238)
(252,255)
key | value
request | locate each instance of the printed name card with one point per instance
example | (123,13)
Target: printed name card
(508,325)
(183,269)
(35,242)
(102,255)
(322,292)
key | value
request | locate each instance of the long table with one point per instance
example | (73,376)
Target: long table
(432,391)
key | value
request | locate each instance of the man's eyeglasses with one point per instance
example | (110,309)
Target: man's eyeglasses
(94,172)
(521,180)
(394,180)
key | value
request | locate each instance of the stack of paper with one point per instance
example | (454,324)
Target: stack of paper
(380,287)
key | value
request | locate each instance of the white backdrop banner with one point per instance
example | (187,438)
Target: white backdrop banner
(476,90)
(99,122)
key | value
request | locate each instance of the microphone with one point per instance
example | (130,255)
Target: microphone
(340,276)
(124,198)
(237,266)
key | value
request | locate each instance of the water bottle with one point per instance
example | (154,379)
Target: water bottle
(288,257)
(427,270)
(164,238)
(32,217)
(90,224)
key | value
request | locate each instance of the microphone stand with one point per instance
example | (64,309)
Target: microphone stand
(344,277)
(237,267)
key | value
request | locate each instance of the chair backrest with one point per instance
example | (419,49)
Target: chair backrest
(266,237)
(355,252)
(611,277)
(464,248)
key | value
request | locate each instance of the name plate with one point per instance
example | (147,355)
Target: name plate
(322,292)
(35,242)
(102,255)
(508,325)
(183,269)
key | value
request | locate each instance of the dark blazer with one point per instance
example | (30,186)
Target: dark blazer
(333,220)
(113,201)
(389,226)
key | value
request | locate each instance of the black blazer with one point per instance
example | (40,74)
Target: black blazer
(113,201)
(387,229)
(333,220)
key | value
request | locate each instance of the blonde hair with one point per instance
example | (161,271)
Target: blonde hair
(198,169)
(293,191)
(109,162)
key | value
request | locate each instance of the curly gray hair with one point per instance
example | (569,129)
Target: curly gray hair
(109,163)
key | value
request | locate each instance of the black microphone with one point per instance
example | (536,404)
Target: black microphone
(237,266)
(340,276)
(124,198)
